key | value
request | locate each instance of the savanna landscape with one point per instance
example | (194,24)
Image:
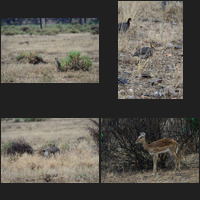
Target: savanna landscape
(28,51)
(159,76)
(77,161)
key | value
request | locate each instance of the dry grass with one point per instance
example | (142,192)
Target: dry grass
(48,47)
(78,161)
(188,174)
(151,23)
(185,176)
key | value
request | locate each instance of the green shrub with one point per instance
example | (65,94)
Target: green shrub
(95,29)
(74,61)
(64,146)
(17,120)
(34,119)
(6,146)
(48,145)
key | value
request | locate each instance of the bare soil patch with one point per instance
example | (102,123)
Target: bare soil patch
(189,174)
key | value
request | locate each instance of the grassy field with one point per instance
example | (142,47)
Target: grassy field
(188,174)
(48,47)
(78,161)
(150,23)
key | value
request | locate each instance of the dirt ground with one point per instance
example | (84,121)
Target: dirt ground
(189,174)
(185,176)
(161,75)
(78,161)
(49,47)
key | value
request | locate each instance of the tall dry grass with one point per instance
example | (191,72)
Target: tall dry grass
(78,161)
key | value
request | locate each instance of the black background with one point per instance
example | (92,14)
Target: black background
(101,100)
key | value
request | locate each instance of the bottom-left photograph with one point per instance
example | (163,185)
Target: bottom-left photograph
(49,150)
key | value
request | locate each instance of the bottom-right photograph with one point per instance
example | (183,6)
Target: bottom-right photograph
(150,150)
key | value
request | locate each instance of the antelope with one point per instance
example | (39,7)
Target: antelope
(52,150)
(160,146)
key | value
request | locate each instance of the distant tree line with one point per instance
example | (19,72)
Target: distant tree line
(45,21)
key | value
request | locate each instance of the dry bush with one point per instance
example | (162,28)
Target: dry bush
(18,147)
(94,131)
(30,57)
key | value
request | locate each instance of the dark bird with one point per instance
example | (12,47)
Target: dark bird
(125,25)
(146,52)
(57,63)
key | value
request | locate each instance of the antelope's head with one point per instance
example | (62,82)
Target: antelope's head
(141,138)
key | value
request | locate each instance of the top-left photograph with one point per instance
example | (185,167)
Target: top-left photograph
(49,50)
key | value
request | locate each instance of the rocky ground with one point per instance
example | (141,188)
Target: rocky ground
(161,75)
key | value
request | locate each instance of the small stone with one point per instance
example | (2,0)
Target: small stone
(145,19)
(177,47)
(170,45)
(130,90)
(155,82)
(122,81)
(174,23)
(171,92)
(131,97)
(121,92)
(121,55)
(145,75)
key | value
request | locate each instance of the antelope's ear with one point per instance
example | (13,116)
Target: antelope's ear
(143,134)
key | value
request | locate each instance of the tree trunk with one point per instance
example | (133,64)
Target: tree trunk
(41,23)
(80,20)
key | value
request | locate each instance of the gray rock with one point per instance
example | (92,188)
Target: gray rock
(170,45)
(177,47)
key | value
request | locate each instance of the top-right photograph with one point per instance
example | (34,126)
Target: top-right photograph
(150,49)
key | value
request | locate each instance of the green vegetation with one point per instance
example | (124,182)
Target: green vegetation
(74,61)
(64,146)
(17,120)
(6,146)
(30,57)
(34,119)
(48,29)
(48,145)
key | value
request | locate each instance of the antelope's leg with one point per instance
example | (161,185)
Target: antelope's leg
(155,158)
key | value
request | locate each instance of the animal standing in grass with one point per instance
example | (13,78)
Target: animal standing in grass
(51,151)
(58,66)
(125,25)
(160,146)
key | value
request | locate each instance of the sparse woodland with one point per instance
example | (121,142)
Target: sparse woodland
(120,156)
